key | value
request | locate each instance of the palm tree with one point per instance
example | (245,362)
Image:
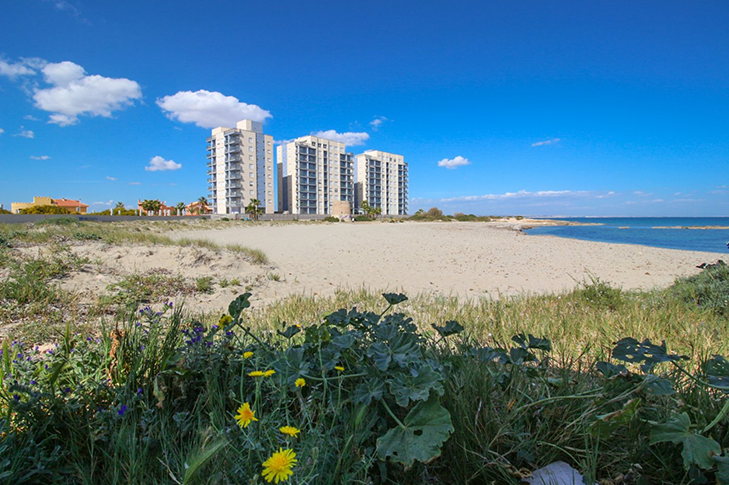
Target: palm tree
(118,208)
(253,209)
(180,207)
(202,204)
(151,206)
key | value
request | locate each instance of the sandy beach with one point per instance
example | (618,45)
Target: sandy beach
(450,258)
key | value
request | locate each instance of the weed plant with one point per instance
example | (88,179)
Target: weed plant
(358,397)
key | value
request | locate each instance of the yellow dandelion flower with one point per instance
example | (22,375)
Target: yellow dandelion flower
(256,373)
(290,430)
(225,320)
(247,355)
(339,368)
(269,373)
(278,467)
(245,415)
(300,382)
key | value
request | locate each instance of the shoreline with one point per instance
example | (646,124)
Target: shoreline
(459,259)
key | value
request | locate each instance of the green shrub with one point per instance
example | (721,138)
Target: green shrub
(45,209)
(375,400)
(204,284)
(361,218)
(598,294)
(331,219)
(708,289)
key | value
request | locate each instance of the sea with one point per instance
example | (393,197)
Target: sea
(647,231)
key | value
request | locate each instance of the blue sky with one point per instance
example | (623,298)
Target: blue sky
(535,108)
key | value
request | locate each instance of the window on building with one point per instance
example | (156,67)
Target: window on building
(250,166)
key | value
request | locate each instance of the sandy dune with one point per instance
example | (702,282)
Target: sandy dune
(465,259)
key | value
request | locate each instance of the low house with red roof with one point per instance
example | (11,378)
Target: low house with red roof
(73,206)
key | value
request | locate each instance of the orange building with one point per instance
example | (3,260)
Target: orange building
(164,210)
(196,208)
(73,206)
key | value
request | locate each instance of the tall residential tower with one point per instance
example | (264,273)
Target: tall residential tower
(240,168)
(315,176)
(382,180)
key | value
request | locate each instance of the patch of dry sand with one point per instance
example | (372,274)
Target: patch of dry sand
(452,258)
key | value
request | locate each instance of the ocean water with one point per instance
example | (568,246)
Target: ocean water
(645,231)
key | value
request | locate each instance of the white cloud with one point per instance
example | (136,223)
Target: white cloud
(348,138)
(25,133)
(14,70)
(42,157)
(546,142)
(453,163)
(2,131)
(135,183)
(110,178)
(30,118)
(209,109)
(377,122)
(159,164)
(522,194)
(73,93)
(108,203)
(283,142)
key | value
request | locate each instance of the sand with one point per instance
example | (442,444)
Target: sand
(467,259)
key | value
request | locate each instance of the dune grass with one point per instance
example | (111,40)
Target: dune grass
(377,397)
(67,230)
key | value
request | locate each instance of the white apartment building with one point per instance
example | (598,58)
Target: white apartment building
(240,168)
(315,176)
(382,180)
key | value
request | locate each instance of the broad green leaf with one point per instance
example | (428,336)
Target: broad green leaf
(330,358)
(343,342)
(290,331)
(405,349)
(697,450)
(532,342)
(426,427)
(630,350)
(488,354)
(611,371)
(716,370)
(606,424)
(380,354)
(722,473)
(518,356)
(674,430)
(371,388)
(237,306)
(394,298)
(450,328)
(406,387)
(659,386)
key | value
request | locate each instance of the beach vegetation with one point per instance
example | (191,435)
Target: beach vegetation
(364,395)
(331,219)
(708,289)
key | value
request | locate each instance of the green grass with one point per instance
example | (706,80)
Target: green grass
(66,230)
(153,400)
